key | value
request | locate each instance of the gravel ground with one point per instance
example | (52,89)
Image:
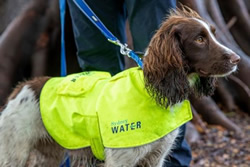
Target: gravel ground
(221,148)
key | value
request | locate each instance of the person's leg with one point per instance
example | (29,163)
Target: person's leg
(94,52)
(145,17)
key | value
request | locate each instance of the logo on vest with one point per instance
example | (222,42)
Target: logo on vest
(80,75)
(124,126)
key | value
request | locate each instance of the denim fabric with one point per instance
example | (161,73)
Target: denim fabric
(93,50)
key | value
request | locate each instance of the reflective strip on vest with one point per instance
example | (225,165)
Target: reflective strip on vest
(97,110)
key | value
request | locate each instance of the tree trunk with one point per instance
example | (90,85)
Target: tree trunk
(212,114)
(14,52)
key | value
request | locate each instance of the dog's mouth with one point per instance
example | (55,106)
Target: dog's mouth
(220,73)
(226,73)
(204,73)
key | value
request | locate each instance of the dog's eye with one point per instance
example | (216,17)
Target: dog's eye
(200,39)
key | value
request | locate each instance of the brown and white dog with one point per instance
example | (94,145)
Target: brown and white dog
(184,44)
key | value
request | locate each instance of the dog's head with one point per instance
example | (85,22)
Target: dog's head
(185,44)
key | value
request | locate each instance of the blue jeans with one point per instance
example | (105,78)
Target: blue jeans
(94,52)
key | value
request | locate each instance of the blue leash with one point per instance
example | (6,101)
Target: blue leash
(82,5)
(124,50)
(62,5)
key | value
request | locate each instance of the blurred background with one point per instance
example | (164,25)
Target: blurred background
(219,134)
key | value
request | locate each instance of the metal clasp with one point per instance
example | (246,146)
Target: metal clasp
(124,50)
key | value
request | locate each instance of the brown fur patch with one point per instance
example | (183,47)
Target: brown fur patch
(36,85)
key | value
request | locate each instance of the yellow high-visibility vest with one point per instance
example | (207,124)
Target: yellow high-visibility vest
(97,110)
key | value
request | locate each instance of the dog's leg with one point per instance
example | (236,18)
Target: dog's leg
(48,154)
(160,150)
(149,155)
(20,128)
(125,157)
(84,157)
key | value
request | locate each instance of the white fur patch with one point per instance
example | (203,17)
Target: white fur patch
(20,127)
(226,74)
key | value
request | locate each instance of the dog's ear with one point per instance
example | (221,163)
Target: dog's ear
(165,78)
(205,86)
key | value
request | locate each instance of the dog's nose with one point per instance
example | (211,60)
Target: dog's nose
(234,59)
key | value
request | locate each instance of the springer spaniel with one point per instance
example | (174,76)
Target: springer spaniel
(184,47)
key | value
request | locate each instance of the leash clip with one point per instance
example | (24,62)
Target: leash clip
(124,50)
